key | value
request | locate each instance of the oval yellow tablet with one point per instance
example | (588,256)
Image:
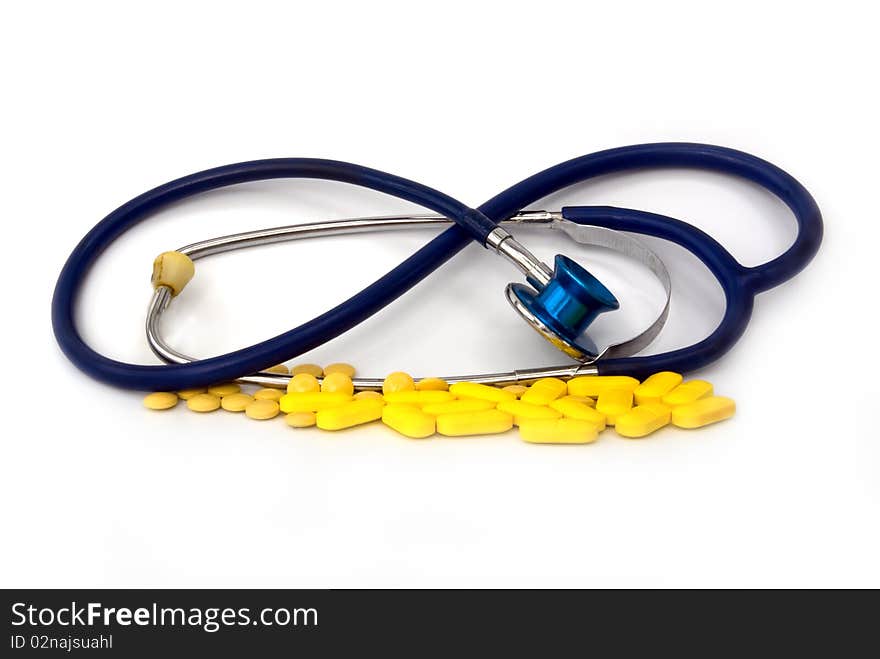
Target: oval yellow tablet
(353,413)
(458,406)
(203,403)
(340,367)
(398,381)
(281,369)
(481,392)
(522,410)
(262,409)
(614,402)
(688,392)
(572,408)
(312,401)
(300,419)
(337,382)
(586,400)
(311,369)
(303,382)
(544,391)
(224,389)
(487,422)
(419,398)
(186,394)
(516,389)
(160,400)
(432,384)
(236,402)
(593,385)
(368,394)
(702,412)
(642,420)
(268,394)
(409,421)
(558,431)
(655,387)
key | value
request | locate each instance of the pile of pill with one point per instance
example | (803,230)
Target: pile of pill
(549,411)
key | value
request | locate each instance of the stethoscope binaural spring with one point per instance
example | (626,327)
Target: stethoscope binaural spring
(559,302)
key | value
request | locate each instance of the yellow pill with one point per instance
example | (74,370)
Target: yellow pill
(186,394)
(614,402)
(236,402)
(398,381)
(419,398)
(337,382)
(571,408)
(339,367)
(688,392)
(279,368)
(432,384)
(368,394)
(303,382)
(558,431)
(458,406)
(203,403)
(312,401)
(523,411)
(487,422)
(655,387)
(262,409)
(224,389)
(160,400)
(300,419)
(311,369)
(703,412)
(516,389)
(481,392)
(544,391)
(409,421)
(586,400)
(268,394)
(642,420)
(593,385)
(350,414)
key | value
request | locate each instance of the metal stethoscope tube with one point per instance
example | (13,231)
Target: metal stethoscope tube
(579,233)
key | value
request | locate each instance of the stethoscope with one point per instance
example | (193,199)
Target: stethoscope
(558,302)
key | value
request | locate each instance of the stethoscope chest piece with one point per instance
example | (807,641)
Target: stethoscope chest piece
(564,307)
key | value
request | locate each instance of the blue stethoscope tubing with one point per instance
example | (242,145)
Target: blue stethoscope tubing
(739,283)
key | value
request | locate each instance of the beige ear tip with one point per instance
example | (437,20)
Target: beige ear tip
(174,270)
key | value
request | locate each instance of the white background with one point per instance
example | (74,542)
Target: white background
(102,101)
